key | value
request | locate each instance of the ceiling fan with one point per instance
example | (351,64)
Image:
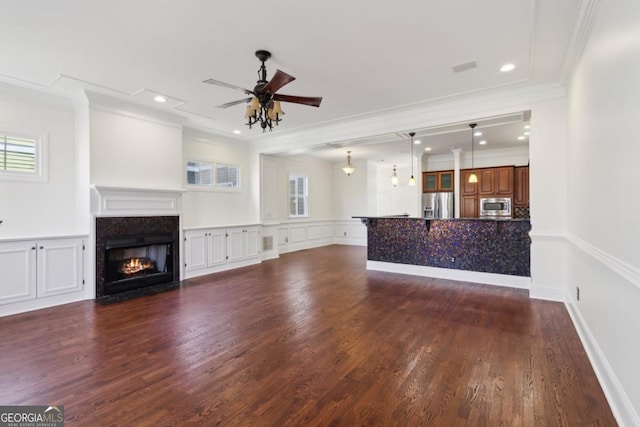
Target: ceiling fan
(264,102)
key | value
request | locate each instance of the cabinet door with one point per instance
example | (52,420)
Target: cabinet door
(485,182)
(235,244)
(503,179)
(197,243)
(521,186)
(429,182)
(216,249)
(469,207)
(467,188)
(18,267)
(60,266)
(252,236)
(445,181)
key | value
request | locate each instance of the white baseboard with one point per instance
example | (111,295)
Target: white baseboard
(621,407)
(548,294)
(519,282)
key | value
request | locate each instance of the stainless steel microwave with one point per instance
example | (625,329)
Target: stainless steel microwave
(497,207)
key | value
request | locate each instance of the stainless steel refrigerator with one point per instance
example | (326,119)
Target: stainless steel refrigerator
(437,205)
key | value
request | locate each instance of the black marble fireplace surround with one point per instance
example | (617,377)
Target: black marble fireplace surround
(116,234)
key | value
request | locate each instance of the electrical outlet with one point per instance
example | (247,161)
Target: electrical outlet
(577,293)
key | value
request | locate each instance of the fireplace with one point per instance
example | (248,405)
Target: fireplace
(136,256)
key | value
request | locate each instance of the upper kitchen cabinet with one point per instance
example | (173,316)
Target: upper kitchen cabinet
(496,181)
(467,188)
(437,181)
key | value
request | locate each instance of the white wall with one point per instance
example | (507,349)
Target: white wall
(603,153)
(134,151)
(38,209)
(547,193)
(350,193)
(402,198)
(320,174)
(211,207)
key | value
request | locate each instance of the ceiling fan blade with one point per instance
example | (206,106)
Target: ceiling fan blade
(279,79)
(305,100)
(232,103)
(230,86)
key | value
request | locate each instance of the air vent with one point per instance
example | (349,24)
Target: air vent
(464,67)
(267,243)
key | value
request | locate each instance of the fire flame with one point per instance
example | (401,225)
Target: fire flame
(135,265)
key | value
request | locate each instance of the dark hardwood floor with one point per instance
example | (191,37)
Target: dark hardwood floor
(310,339)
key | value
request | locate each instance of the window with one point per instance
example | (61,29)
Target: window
(201,174)
(20,156)
(227,176)
(298,195)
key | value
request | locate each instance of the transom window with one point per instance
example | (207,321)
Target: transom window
(201,174)
(20,156)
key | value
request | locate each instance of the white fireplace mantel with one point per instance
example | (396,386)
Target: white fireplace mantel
(122,201)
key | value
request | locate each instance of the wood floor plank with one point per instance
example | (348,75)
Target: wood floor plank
(309,339)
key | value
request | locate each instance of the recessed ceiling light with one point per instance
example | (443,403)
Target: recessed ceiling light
(483,142)
(427,148)
(161,99)
(527,133)
(478,133)
(507,67)
(520,138)
(417,141)
(237,132)
(527,127)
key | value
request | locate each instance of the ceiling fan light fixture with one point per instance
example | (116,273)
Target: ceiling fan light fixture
(264,108)
(349,168)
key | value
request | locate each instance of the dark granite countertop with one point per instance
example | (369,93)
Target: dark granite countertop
(441,219)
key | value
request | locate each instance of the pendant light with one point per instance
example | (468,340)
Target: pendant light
(349,169)
(473,178)
(412,180)
(394,177)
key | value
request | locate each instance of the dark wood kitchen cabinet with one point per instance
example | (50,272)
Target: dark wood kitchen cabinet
(467,188)
(437,181)
(496,181)
(469,207)
(521,186)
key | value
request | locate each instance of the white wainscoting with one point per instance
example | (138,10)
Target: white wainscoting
(606,317)
(299,235)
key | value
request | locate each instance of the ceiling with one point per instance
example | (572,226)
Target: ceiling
(362,57)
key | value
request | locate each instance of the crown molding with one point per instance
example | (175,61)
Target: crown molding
(584,24)
(419,116)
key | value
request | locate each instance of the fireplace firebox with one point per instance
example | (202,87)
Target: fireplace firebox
(138,261)
(136,256)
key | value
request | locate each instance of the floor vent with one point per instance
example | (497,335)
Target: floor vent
(267,243)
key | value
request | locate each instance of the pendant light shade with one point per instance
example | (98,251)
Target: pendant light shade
(473,178)
(349,169)
(394,177)
(412,180)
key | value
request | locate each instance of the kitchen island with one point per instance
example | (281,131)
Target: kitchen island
(445,246)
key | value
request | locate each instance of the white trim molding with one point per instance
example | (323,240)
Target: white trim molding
(121,201)
(627,271)
(519,282)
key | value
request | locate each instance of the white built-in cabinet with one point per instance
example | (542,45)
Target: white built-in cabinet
(40,268)
(208,250)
